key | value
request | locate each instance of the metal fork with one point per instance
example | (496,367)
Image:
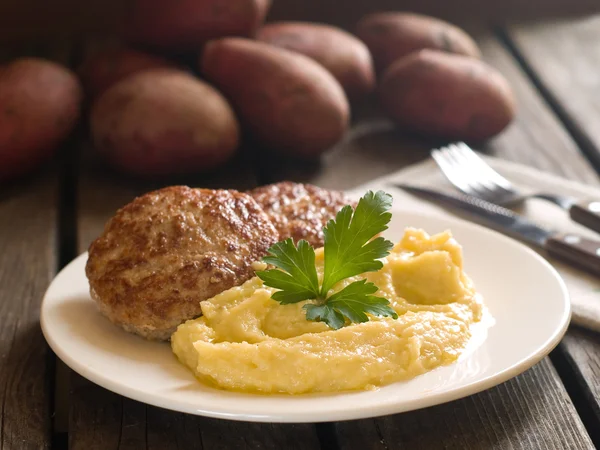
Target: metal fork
(472,175)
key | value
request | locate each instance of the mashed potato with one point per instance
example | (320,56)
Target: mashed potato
(245,341)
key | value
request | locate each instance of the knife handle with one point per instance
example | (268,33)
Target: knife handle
(586,213)
(576,250)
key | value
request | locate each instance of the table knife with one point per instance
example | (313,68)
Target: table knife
(571,248)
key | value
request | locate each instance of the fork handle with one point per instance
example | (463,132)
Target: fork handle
(586,213)
(571,248)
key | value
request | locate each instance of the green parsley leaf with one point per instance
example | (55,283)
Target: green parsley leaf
(349,250)
(325,313)
(297,279)
(355,300)
(352,302)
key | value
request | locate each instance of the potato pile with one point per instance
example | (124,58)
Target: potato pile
(286,86)
(39,106)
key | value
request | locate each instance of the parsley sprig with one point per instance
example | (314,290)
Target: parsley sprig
(349,250)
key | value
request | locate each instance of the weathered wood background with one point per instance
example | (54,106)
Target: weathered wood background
(50,217)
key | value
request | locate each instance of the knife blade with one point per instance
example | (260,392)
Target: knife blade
(576,250)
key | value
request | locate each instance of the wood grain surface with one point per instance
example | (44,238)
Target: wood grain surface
(30,254)
(563,58)
(530,412)
(28,261)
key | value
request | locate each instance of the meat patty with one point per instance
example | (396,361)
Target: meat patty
(300,211)
(167,250)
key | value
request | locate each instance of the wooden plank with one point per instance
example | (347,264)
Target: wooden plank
(526,413)
(537,137)
(578,360)
(564,58)
(530,411)
(105,421)
(28,243)
(223,435)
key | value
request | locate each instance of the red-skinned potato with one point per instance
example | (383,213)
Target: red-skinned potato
(346,57)
(187,24)
(103,68)
(40,103)
(163,122)
(288,102)
(452,96)
(392,35)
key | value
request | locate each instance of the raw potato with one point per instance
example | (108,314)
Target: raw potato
(452,96)
(346,57)
(163,121)
(391,36)
(40,103)
(102,69)
(187,24)
(287,101)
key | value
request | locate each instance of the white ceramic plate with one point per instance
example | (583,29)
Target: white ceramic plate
(525,295)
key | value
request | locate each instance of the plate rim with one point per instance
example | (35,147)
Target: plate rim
(362,413)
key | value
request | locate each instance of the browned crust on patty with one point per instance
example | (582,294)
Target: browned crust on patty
(167,250)
(300,211)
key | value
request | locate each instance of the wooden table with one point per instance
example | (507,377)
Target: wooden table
(48,219)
